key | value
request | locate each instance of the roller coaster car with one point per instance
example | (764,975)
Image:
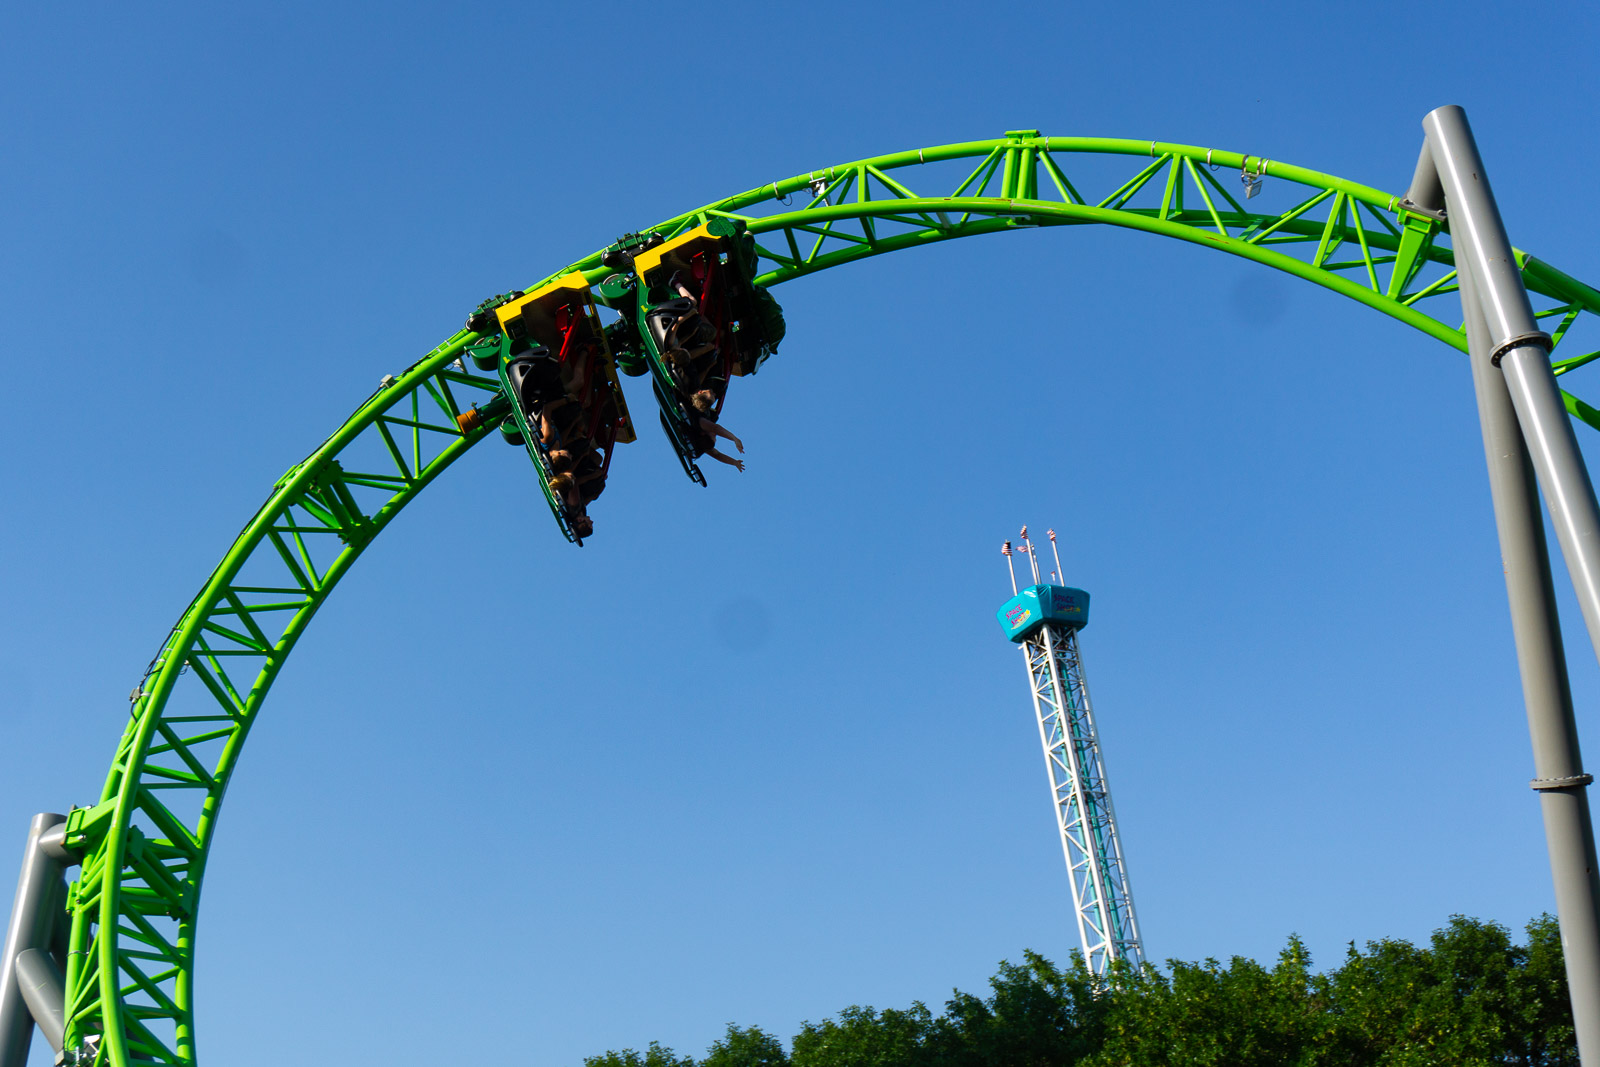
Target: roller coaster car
(551,346)
(726,310)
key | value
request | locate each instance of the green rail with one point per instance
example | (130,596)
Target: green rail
(129,983)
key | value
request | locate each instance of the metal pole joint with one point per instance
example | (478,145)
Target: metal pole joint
(1410,205)
(1425,194)
(1571,781)
(1535,338)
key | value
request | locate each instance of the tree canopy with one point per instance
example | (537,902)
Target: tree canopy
(1471,996)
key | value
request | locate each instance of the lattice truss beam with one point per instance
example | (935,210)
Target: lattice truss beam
(144,843)
(1351,238)
(1101,895)
(133,905)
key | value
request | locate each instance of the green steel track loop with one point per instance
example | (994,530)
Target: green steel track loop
(129,983)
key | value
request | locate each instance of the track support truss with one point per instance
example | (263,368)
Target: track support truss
(1102,899)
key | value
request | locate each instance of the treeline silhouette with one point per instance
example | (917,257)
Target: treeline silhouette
(1471,996)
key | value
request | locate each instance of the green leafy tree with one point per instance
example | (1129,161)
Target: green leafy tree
(1242,1015)
(1539,1000)
(864,1037)
(1471,997)
(655,1056)
(746,1047)
(1037,1016)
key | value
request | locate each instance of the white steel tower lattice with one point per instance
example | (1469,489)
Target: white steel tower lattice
(1045,619)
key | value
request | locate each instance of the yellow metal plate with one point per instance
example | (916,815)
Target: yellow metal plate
(566,285)
(675,252)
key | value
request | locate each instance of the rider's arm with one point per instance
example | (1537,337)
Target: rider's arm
(712,428)
(720,458)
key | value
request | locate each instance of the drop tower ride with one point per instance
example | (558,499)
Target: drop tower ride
(1044,619)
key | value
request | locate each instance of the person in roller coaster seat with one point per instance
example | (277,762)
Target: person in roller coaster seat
(577,371)
(693,371)
(587,470)
(695,360)
(682,282)
(578,462)
(704,431)
(691,349)
(566,488)
(561,422)
(564,409)
(690,332)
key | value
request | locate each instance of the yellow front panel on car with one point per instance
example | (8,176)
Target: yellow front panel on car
(675,253)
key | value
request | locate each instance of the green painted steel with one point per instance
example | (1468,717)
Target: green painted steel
(133,906)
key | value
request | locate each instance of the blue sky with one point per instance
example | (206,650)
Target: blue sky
(758,752)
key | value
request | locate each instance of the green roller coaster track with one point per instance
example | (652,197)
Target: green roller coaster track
(133,907)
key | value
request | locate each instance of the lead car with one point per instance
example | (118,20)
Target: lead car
(558,388)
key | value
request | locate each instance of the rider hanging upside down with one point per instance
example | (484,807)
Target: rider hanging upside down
(693,309)
(576,458)
(691,351)
(561,421)
(704,431)
(560,376)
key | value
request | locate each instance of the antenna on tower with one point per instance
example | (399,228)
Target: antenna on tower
(1033,558)
(1054,551)
(1005,550)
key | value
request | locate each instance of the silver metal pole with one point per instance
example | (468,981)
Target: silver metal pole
(1557,762)
(1033,558)
(1521,350)
(44,991)
(31,926)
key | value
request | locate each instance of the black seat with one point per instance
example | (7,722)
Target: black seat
(661,317)
(536,377)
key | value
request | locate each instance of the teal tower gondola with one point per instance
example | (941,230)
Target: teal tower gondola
(1022,615)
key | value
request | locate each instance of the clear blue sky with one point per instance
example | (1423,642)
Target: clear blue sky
(483,816)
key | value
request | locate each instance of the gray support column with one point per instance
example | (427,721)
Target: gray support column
(1425,194)
(32,926)
(44,991)
(1569,835)
(1521,350)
